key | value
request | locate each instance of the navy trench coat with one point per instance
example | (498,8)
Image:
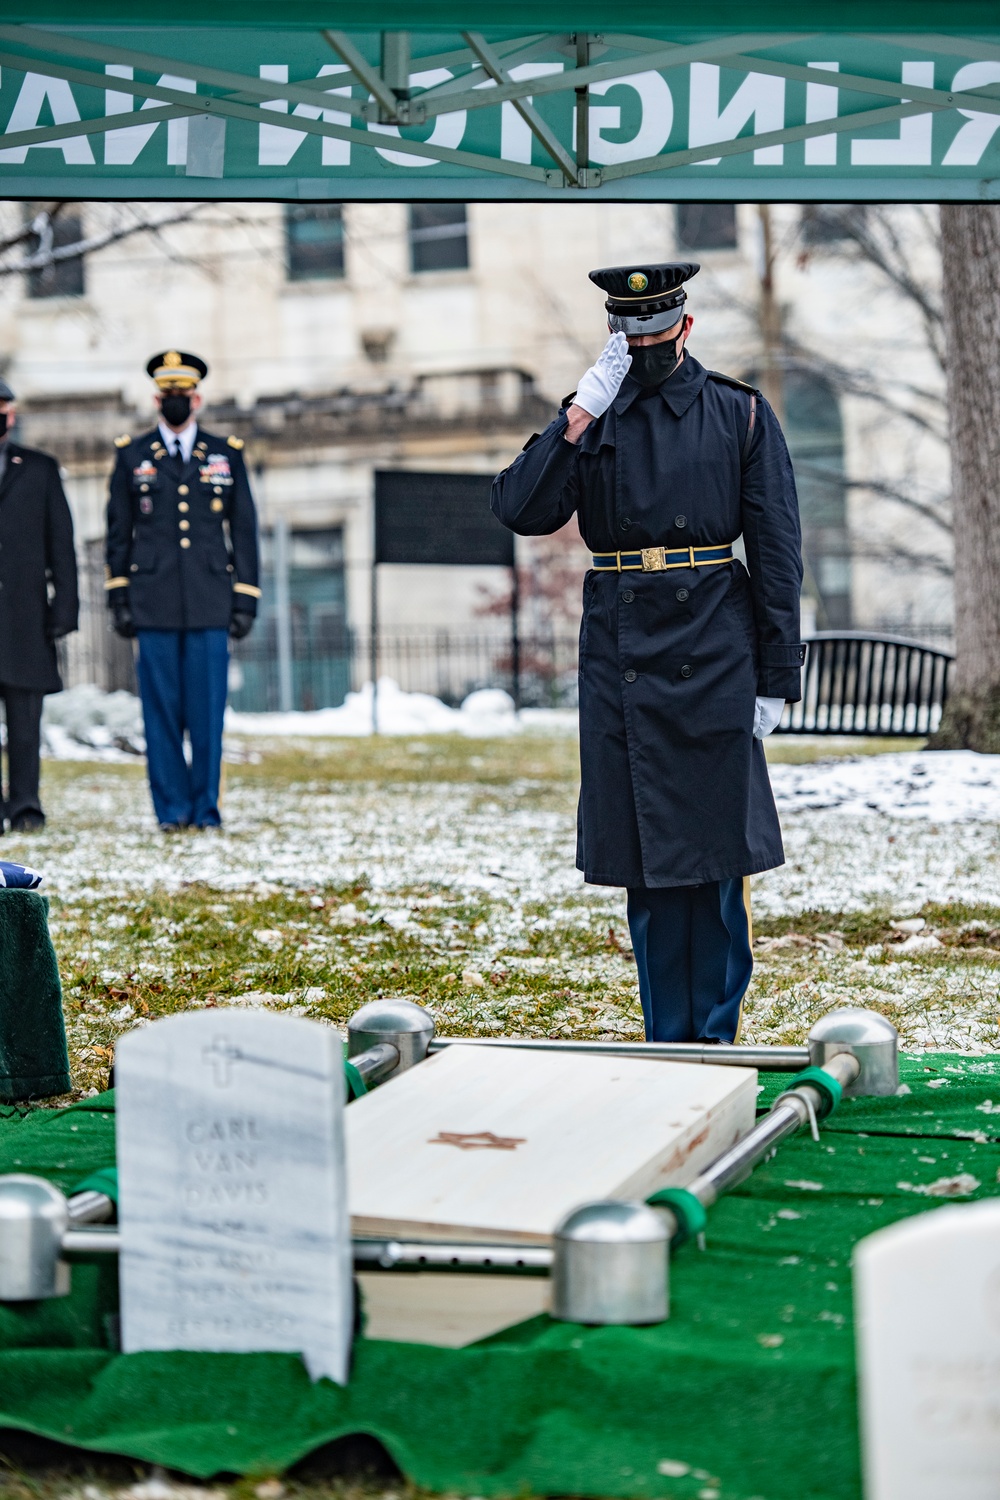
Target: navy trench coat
(674,788)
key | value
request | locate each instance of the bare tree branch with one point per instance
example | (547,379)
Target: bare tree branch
(41,230)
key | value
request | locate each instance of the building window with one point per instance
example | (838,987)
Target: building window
(314,241)
(815,436)
(59,231)
(706,226)
(439,237)
(831,223)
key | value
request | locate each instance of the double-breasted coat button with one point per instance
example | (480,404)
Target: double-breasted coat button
(683,595)
(182,489)
(686,671)
(627,596)
(134,568)
(183,507)
(185,525)
(630,675)
(680,522)
(185,541)
(626,523)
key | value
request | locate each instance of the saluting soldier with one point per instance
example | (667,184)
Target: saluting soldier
(686,659)
(182,569)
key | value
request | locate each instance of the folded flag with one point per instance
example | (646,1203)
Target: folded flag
(18,877)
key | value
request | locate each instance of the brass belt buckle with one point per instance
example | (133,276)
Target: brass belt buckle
(653,560)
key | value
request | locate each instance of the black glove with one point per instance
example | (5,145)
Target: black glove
(122,621)
(240,624)
(56,632)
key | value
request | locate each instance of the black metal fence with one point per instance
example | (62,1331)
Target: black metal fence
(853,682)
(877,685)
(326,665)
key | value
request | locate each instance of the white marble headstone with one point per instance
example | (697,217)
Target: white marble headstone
(232,1187)
(927,1296)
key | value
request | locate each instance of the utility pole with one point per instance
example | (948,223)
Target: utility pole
(771,381)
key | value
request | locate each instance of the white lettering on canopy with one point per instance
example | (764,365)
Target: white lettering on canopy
(277,145)
(911,146)
(971,141)
(36,92)
(759,97)
(655,124)
(448,129)
(821,104)
(121,147)
(515,133)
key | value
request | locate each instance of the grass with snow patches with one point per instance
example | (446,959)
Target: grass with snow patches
(442,868)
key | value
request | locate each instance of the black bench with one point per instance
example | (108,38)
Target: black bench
(853,683)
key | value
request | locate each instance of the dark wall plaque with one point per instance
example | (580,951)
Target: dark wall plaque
(438,518)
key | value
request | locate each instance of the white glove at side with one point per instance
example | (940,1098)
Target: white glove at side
(602,382)
(767,715)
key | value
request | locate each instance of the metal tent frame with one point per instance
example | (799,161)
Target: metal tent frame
(481,64)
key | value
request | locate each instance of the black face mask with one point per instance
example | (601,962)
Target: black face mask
(652,363)
(4,424)
(175,408)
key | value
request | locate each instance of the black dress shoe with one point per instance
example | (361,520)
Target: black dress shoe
(29,822)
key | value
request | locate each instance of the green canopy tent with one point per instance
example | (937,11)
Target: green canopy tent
(830,101)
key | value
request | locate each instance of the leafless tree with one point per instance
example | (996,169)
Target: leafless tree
(970,242)
(37,242)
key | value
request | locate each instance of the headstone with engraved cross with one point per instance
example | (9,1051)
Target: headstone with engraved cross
(927,1299)
(232,1190)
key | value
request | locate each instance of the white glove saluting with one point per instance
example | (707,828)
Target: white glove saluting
(602,382)
(767,716)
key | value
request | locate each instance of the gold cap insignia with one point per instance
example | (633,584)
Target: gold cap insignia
(172,359)
(638,281)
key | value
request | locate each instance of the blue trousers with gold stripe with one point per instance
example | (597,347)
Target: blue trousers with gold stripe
(693,951)
(182,682)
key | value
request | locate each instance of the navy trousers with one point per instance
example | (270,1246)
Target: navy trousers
(183,680)
(692,947)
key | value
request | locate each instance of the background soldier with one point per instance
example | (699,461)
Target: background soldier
(182,578)
(685,661)
(38,604)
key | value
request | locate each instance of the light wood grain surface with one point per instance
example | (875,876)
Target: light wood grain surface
(566,1129)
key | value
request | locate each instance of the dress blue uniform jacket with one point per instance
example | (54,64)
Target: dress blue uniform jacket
(182,537)
(38,587)
(675,788)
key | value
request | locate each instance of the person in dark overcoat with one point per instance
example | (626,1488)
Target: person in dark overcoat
(38,604)
(182,563)
(686,656)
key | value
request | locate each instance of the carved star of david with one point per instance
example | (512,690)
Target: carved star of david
(480,1140)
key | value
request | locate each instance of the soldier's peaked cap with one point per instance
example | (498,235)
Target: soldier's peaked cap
(637,290)
(174,370)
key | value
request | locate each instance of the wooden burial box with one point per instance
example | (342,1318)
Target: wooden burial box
(488,1145)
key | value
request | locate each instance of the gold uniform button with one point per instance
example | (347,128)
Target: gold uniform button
(185,541)
(185,525)
(183,507)
(217,505)
(182,489)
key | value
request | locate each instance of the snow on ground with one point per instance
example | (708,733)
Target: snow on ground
(941,786)
(886,836)
(502,839)
(85,723)
(483,715)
